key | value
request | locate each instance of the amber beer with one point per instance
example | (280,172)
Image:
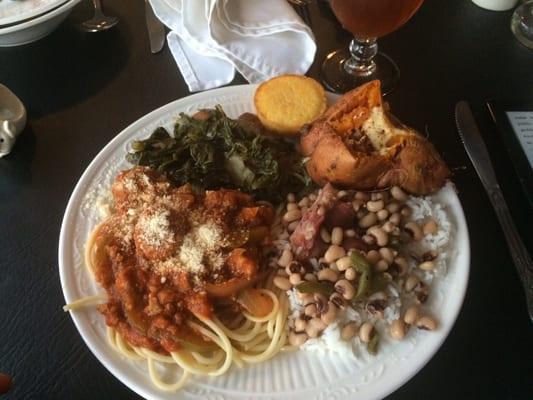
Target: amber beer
(374,18)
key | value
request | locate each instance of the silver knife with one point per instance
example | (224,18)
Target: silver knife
(477,151)
(156,29)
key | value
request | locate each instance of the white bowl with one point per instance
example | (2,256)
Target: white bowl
(37,28)
(17,11)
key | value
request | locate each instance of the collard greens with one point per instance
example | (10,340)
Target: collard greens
(213,151)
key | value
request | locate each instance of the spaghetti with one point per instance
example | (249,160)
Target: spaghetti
(165,304)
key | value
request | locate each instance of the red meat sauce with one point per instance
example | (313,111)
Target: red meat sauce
(168,254)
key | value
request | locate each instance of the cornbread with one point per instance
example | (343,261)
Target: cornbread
(287,102)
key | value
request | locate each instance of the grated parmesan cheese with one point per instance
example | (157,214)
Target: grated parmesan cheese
(209,235)
(191,255)
(156,228)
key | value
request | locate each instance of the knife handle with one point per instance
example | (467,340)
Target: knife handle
(518,250)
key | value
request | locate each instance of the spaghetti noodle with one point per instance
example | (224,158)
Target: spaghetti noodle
(160,305)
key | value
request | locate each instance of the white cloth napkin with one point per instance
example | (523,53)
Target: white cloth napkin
(210,39)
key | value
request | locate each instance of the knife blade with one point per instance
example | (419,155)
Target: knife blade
(156,29)
(479,155)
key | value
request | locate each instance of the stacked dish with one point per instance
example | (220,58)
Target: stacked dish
(25,21)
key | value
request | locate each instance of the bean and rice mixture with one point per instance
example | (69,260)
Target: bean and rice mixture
(358,266)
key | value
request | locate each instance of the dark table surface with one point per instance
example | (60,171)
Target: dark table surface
(82,89)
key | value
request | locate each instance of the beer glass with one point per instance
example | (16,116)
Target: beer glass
(522,24)
(367,20)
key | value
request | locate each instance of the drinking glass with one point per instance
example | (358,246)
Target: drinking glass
(361,62)
(522,24)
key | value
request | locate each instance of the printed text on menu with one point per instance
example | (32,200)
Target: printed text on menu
(522,123)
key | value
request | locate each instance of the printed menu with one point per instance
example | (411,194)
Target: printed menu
(522,123)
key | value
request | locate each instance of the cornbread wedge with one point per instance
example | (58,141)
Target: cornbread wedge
(285,103)
(357,144)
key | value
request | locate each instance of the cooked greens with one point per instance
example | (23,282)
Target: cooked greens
(212,150)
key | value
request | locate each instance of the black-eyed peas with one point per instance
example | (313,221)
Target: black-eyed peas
(427,265)
(292,215)
(397,329)
(348,331)
(304,202)
(350,233)
(305,298)
(398,193)
(310,310)
(337,234)
(320,301)
(411,315)
(344,263)
(387,254)
(381,266)
(350,274)
(388,227)
(411,282)
(381,218)
(314,327)
(330,313)
(292,226)
(406,211)
(421,292)
(292,206)
(376,196)
(402,265)
(338,300)
(295,278)
(369,239)
(366,332)
(382,215)
(342,194)
(345,288)
(368,220)
(430,227)
(362,196)
(297,339)
(382,237)
(395,218)
(429,256)
(286,258)
(294,266)
(375,206)
(327,274)
(281,282)
(373,256)
(300,324)
(333,253)
(393,207)
(414,230)
(426,322)
(324,235)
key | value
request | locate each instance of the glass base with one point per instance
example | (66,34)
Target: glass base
(336,79)
(522,24)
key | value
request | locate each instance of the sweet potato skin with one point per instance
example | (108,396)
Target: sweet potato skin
(340,153)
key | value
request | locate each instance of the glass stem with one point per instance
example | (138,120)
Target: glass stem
(361,63)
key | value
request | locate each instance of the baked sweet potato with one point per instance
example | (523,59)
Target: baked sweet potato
(357,144)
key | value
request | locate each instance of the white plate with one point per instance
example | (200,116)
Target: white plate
(13,11)
(36,28)
(298,375)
